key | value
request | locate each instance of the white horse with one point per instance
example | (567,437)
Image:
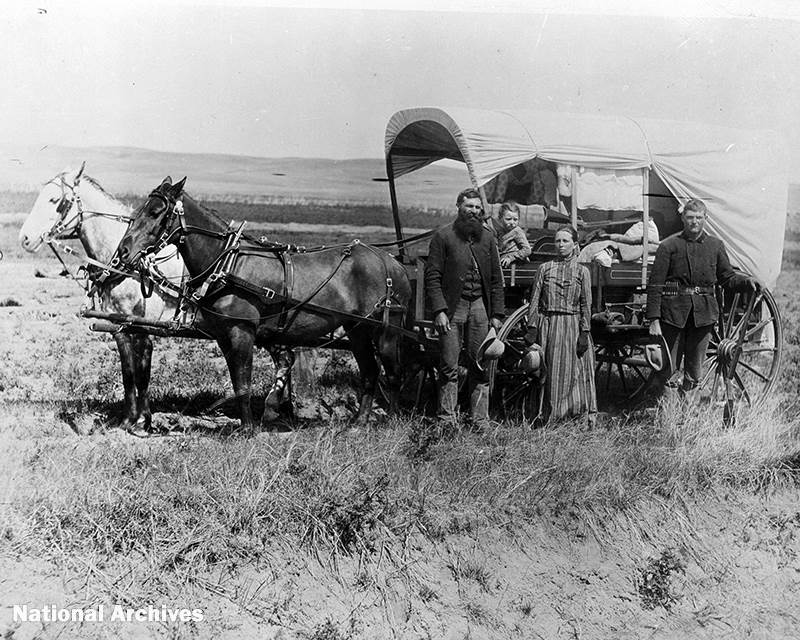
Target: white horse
(74,205)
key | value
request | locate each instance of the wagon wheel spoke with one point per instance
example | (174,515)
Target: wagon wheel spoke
(728,396)
(732,316)
(514,350)
(759,350)
(744,390)
(609,370)
(639,373)
(757,328)
(622,377)
(517,392)
(715,385)
(741,322)
(753,370)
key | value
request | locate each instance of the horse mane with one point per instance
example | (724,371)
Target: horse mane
(96,184)
(110,196)
(216,215)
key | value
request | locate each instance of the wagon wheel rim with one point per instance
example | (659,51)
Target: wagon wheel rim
(744,353)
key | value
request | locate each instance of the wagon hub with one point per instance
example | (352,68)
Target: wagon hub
(726,350)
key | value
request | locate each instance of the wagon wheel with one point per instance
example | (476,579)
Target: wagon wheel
(625,365)
(744,354)
(515,393)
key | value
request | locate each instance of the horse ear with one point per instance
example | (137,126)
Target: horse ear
(167,180)
(178,187)
(79,174)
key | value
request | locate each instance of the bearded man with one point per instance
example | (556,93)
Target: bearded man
(464,284)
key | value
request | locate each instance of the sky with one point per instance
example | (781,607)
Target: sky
(322,79)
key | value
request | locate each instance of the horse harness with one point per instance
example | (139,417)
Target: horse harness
(212,282)
(66,228)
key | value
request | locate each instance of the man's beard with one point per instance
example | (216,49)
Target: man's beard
(468,227)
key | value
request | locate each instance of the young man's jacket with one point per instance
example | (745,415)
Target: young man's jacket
(683,277)
(449,261)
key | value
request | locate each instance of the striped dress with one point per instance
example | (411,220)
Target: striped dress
(560,307)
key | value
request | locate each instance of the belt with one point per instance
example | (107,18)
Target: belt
(550,314)
(688,291)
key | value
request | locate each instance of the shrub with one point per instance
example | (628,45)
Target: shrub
(654,582)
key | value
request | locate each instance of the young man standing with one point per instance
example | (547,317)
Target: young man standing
(681,304)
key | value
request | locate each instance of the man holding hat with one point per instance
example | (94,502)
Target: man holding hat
(464,284)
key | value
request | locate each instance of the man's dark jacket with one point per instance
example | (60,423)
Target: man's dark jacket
(449,261)
(680,264)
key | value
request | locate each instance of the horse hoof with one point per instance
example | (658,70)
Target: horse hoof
(140,432)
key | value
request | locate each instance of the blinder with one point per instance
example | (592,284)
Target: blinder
(164,230)
(68,200)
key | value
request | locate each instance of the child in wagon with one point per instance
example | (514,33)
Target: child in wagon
(511,239)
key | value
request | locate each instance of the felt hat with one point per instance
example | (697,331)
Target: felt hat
(491,348)
(533,361)
(658,355)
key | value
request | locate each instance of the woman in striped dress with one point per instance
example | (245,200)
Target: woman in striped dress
(559,320)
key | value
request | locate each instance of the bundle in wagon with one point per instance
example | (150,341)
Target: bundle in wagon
(604,175)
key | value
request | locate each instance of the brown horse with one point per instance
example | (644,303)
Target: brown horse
(257,295)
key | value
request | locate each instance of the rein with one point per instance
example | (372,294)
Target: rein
(153,273)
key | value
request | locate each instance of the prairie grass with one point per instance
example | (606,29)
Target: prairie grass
(190,502)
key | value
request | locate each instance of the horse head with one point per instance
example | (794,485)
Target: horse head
(153,225)
(53,213)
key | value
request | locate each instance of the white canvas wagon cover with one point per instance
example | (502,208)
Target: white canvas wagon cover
(741,175)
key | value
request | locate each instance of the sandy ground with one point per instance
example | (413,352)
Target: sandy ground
(741,579)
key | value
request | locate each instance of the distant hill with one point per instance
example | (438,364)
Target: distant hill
(126,170)
(137,171)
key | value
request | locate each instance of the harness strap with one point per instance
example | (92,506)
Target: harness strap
(223,265)
(304,305)
(292,307)
(104,270)
(346,252)
(406,241)
(288,288)
(386,301)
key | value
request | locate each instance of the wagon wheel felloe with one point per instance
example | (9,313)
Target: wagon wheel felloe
(744,354)
(515,393)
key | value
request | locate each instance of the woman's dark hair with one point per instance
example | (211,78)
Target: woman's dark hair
(571,231)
